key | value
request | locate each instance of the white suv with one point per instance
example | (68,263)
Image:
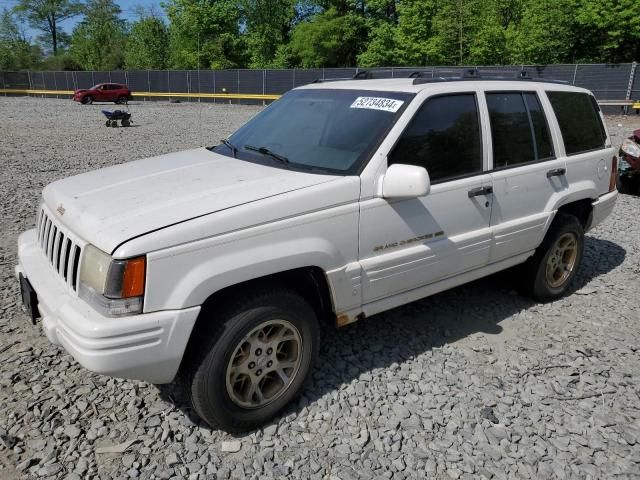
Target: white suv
(343,199)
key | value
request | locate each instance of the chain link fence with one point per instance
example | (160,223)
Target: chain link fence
(613,82)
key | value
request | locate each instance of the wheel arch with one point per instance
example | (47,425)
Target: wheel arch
(309,282)
(581,209)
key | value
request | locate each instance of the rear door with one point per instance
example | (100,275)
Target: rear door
(527,174)
(586,144)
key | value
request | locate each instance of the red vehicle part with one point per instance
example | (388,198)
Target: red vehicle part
(103,92)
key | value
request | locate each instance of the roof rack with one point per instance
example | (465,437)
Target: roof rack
(420,77)
(360,75)
(474,74)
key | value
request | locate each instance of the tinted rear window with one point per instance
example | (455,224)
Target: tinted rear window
(518,128)
(579,120)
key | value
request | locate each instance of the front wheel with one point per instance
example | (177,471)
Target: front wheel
(252,360)
(548,274)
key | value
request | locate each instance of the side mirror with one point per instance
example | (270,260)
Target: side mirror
(405,181)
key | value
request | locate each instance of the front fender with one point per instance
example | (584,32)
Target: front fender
(217,272)
(186,275)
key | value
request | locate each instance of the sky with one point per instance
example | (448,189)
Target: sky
(128,13)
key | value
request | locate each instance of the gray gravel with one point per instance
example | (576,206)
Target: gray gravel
(476,382)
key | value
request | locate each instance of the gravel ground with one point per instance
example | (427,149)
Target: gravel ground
(476,382)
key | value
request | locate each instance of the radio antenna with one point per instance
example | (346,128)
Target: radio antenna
(199,97)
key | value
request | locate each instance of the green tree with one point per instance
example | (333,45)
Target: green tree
(205,34)
(415,31)
(46,15)
(16,52)
(268,25)
(381,48)
(608,30)
(328,40)
(545,33)
(97,42)
(147,45)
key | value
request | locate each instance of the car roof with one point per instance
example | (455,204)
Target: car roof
(415,85)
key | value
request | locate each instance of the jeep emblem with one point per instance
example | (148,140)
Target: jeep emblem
(60,209)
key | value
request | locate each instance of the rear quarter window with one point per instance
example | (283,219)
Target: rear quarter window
(579,119)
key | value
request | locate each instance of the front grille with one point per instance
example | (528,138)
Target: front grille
(58,246)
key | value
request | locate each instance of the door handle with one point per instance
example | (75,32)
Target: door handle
(476,192)
(556,172)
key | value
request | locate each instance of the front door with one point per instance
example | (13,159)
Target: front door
(406,244)
(526,175)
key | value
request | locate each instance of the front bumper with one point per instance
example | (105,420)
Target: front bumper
(146,347)
(602,208)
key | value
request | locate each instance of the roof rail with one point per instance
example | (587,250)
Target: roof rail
(474,74)
(361,75)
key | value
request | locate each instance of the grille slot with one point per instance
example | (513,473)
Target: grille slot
(59,248)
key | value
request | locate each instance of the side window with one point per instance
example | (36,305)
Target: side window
(443,137)
(579,119)
(519,129)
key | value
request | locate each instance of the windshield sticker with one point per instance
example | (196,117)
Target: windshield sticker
(378,103)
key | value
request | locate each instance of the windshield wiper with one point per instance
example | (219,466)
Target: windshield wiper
(230,146)
(266,151)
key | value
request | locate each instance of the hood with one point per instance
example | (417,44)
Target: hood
(109,206)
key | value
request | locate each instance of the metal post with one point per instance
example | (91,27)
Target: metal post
(264,79)
(632,75)
(55,83)
(213,78)
(148,85)
(575,73)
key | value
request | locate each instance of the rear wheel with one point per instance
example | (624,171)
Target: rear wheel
(255,360)
(548,274)
(122,99)
(87,100)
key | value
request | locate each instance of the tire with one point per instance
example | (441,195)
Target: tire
(114,123)
(233,349)
(121,100)
(87,100)
(108,123)
(622,184)
(540,279)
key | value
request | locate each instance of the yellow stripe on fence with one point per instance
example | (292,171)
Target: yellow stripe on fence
(231,96)
(235,96)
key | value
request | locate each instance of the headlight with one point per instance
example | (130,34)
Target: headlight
(115,287)
(631,148)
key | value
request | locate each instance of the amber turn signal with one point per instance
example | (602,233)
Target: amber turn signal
(133,278)
(614,174)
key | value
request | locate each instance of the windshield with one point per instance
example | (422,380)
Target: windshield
(316,129)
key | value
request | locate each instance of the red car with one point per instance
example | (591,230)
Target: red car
(103,92)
